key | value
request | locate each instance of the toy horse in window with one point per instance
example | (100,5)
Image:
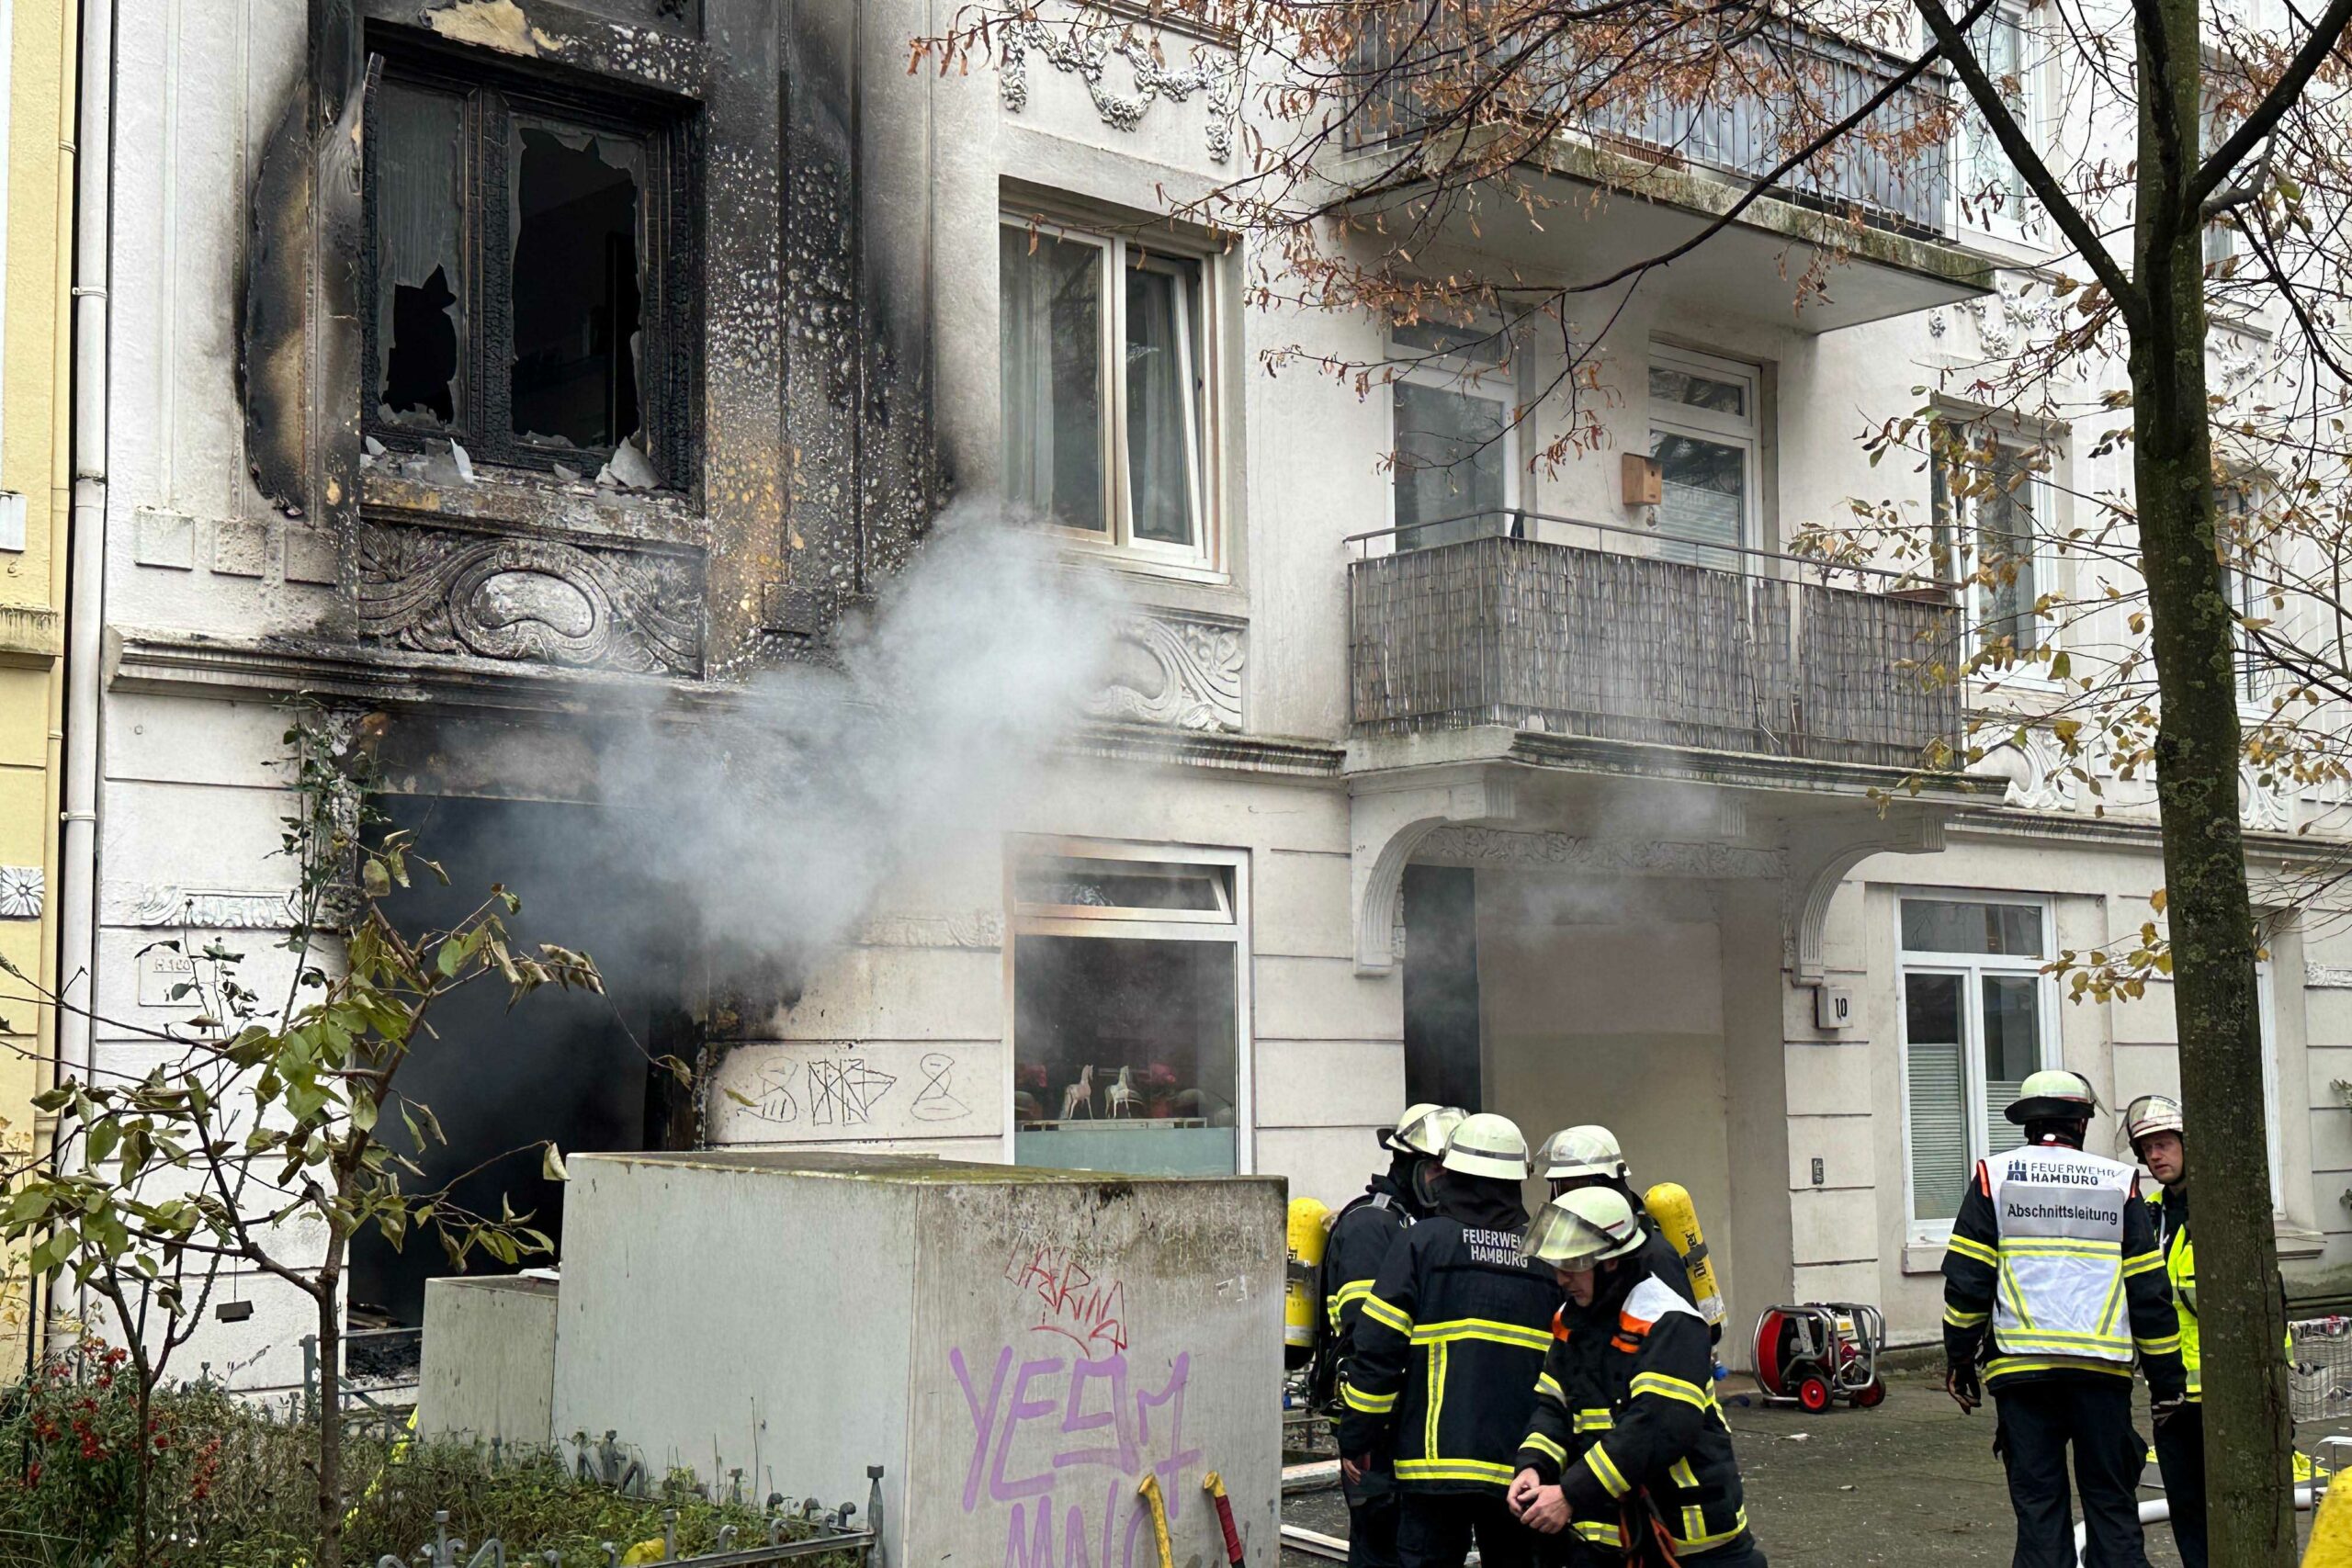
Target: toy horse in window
(1080,1096)
(1123,1099)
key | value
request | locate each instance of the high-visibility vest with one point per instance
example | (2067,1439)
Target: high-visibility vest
(2180,1269)
(2060,1214)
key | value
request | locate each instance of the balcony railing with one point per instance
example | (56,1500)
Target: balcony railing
(1513,631)
(1741,113)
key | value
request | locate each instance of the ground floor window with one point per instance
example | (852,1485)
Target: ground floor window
(1128,988)
(1977,1020)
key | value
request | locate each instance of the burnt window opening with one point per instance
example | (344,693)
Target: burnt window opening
(531,262)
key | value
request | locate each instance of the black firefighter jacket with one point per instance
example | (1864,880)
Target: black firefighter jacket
(1628,1423)
(1358,1245)
(1443,1369)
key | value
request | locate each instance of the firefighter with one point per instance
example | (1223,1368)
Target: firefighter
(1441,1370)
(2152,1124)
(2049,1240)
(1589,1156)
(1360,1240)
(1627,1457)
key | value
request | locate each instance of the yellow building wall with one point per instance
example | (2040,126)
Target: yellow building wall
(35,463)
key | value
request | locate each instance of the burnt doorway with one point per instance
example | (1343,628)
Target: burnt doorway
(1443,1060)
(566,1067)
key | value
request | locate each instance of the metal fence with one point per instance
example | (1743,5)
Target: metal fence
(1739,106)
(1590,642)
(2319,1369)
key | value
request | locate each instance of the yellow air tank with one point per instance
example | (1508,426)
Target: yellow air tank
(1671,1210)
(1310,1227)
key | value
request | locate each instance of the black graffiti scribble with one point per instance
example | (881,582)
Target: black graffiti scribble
(844,1091)
(936,1101)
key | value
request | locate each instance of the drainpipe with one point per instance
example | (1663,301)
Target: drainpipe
(85,601)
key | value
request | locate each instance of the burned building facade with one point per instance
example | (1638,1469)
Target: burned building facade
(526,369)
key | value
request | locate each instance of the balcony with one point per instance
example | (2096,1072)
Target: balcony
(1513,632)
(1646,169)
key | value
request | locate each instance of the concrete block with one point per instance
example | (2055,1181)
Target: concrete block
(162,538)
(2328,1017)
(1330,1164)
(1017,1349)
(1302,905)
(1833,1226)
(489,1360)
(1828,1080)
(837,1091)
(310,555)
(1323,998)
(2146,1020)
(240,547)
(1842,1144)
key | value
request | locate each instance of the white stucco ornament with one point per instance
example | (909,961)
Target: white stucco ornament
(1086,52)
(22,890)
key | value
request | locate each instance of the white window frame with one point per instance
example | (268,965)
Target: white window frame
(1743,430)
(2041,501)
(1467,376)
(2248,600)
(2023,228)
(1206,557)
(1970,968)
(1232,925)
(2266,1008)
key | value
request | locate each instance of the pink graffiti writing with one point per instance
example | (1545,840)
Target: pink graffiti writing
(1111,1431)
(1071,1301)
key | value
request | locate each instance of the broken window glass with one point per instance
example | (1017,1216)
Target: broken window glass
(573,218)
(419,308)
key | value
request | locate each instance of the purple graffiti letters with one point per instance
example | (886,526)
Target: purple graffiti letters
(1179,1457)
(1112,1371)
(982,1421)
(1021,1410)
(1033,1546)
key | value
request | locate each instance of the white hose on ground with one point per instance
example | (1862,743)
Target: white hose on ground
(2157,1511)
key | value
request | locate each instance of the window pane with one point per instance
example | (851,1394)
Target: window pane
(1937,1097)
(2012,1053)
(1120,885)
(2005,548)
(1163,403)
(574,195)
(2001,930)
(1692,389)
(1050,346)
(1991,185)
(1450,464)
(420,305)
(1704,497)
(1423,339)
(1124,1054)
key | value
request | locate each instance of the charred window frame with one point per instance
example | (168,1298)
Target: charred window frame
(496,121)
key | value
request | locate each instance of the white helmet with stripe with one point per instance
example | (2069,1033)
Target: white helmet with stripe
(1581,1228)
(1489,1145)
(1580,1152)
(1422,1129)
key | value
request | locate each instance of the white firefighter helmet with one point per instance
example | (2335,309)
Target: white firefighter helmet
(1575,1153)
(1422,1129)
(2054,1094)
(1487,1145)
(1581,1228)
(2151,1114)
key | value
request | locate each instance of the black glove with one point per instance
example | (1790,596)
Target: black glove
(2164,1409)
(1961,1382)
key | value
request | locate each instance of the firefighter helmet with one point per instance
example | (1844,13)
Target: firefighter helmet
(2054,1094)
(1487,1145)
(2148,1115)
(1580,1152)
(1422,1129)
(1581,1228)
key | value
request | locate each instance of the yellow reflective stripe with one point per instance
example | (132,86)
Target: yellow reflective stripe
(1960,1319)
(1604,1471)
(1670,1388)
(2059,1246)
(2005,1366)
(1454,1470)
(1385,1316)
(1483,1328)
(1681,1472)
(1968,1246)
(1595,1420)
(2062,1335)
(1700,1542)
(2009,1290)
(1355,1398)
(1548,1387)
(1543,1445)
(2169,1344)
(1437,1400)
(2146,1263)
(2110,1311)
(1694,1526)
(1600,1532)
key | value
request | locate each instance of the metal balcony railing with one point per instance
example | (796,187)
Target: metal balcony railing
(1507,629)
(1741,114)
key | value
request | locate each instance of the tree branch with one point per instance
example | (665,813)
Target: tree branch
(2265,116)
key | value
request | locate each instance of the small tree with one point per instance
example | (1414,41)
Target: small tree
(257,1145)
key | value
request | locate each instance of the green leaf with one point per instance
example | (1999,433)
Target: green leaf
(551,1164)
(374,880)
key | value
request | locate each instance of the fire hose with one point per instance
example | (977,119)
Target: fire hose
(1213,1484)
(1149,1490)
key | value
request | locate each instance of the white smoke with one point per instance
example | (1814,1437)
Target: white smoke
(773,822)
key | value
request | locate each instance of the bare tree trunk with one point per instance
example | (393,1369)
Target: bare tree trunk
(330,1500)
(2248,1473)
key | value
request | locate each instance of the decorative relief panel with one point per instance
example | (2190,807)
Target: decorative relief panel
(1180,672)
(228,909)
(23,891)
(1087,50)
(973,927)
(523,598)
(1618,857)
